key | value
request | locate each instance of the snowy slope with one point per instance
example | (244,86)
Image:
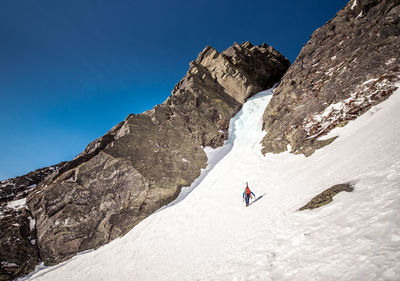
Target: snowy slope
(208,233)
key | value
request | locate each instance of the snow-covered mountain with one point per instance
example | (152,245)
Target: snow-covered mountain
(174,216)
(137,167)
(211,235)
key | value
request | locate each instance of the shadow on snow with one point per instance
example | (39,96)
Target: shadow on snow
(258,198)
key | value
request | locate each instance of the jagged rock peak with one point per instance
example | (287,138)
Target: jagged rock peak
(244,69)
(348,65)
(143,162)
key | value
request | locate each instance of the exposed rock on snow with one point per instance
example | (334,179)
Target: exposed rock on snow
(326,196)
(348,65)
(137,167)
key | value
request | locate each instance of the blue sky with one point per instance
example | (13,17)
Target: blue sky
(71,70)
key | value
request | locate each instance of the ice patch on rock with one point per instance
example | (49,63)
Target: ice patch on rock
(354,4)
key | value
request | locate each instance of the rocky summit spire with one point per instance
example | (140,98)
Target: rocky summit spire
(142,163)
(348,65)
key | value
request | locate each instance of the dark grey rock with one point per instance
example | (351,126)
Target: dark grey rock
(326,196)
(18,249)
(359,44)
(18,254)
(19,187)
(142,163)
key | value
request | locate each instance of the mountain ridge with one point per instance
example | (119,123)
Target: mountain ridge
(142,163)
(349,65)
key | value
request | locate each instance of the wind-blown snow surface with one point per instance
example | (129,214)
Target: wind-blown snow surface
(211,235)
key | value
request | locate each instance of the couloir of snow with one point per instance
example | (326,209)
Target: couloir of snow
(208,233)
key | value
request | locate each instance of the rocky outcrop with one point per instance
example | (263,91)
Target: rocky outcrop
(18,250)
(19,187)
(326,196)
(348,65)
(142,163)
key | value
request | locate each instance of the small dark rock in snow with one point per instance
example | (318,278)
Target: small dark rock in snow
(326,196)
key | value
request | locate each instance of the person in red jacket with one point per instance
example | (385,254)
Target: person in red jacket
(247,194)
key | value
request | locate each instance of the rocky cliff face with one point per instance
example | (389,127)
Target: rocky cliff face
(142,163)
(18,249)
(348,65)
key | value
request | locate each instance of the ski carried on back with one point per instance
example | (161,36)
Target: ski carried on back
(247,195)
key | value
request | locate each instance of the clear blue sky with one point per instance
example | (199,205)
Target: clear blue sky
(71,70)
